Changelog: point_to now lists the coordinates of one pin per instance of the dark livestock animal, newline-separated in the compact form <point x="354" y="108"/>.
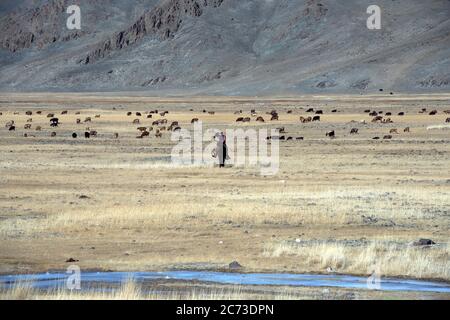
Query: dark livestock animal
<point x="54" y="122"/>
<point x="316" y="118"/>
<point x="143" y="134"/>
<point x="354" y="131"/>
<point x="377" y="119"/>
<point x="305" y="120"/>
<point x="447" y="120"/>
<point x="331" y="134"/>
<point x="173" y="125"/>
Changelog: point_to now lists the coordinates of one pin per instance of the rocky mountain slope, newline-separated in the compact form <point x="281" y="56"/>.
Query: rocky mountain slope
<point x="225" y="46"/>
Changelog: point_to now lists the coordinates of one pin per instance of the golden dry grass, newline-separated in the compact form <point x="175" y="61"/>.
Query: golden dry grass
<point x="384" y="257"/>
<point x="144" y="213"/>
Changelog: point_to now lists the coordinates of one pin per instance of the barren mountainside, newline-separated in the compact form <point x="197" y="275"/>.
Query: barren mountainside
<point x="225" y="46"/>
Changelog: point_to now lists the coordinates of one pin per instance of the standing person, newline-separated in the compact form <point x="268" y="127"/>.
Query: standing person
<point x="222" y="149"/>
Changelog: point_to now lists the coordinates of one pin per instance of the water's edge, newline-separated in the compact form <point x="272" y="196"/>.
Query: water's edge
<point x="55" y="280"/>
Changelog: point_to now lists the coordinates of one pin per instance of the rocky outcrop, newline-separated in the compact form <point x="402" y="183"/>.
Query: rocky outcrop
<point x="162" y="22"/>
<point x="314" y="9"/>
<point x="361" y="84"/>
<point x="234" y="265"/>
<point x="424" y="242"/>
<point x="39" y="26"/>
<point x="433" y="82"/>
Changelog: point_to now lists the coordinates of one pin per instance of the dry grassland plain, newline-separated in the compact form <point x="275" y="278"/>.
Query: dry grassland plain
<point x="345" y="204"/>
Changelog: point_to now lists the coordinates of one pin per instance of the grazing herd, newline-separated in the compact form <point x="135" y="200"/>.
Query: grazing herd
<point x="160" y="125"/>
<point x="378" y="117"/>
<point x="54" y="122"/>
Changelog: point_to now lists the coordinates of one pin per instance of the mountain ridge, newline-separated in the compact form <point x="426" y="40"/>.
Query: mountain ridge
<point x="228" y="47"/>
